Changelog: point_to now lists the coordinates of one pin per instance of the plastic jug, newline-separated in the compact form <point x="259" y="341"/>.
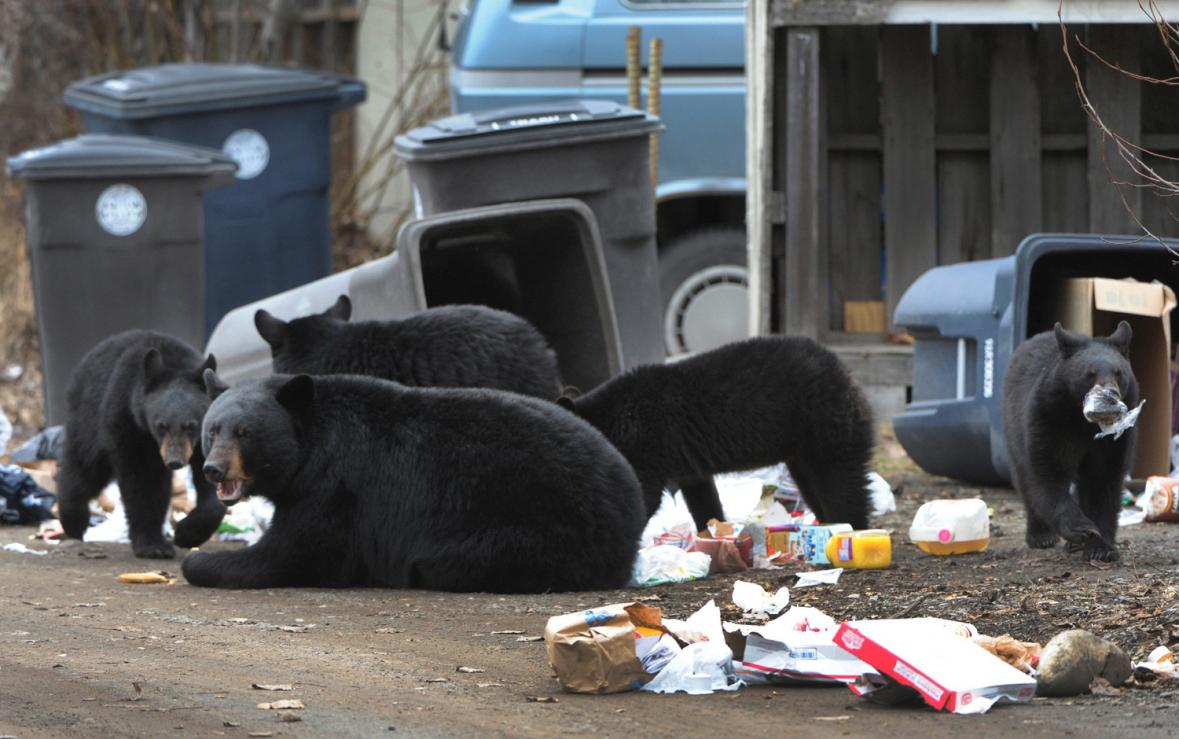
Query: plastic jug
<point x="952" y="526"/>
<point x="865" y="550"/>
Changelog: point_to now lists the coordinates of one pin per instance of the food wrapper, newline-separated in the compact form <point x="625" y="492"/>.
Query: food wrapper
<point x="1104" y="408"/>
<point x="1160" y="499"/>
<point x="594" y="651"/>
<point x="1022" y="655"/>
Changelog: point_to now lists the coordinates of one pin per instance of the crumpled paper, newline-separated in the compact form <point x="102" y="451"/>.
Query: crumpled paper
<point x="749" y="596"/>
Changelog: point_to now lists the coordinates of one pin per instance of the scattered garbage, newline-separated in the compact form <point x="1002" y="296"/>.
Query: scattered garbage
<point x="1160" y="500"/>
<point x="699" y="668"/>
<point x="864" y="550"/>
<point x="22" y="549"/>
<point x="751" y="597"/>
<point x="5" y="431"/>
<point x="664" y="563"/>
<point x="943" y="527"/>
<point x="147" y="578"/>
<point x="286" y="704"/>
<point x="44" y="445"/>
<point x="246" y="520"/>
<point x="930" y="655"/>
<point x="798" y="647"/>
<point x="1022" y="655"/>
<point x="882" y="498"/>
<point x="264" y="686"/>
<point x="1160" y="662"/>
<point x="22" y="500"/>
<point x="595" y="651"/>
<point x="818" y="577"/>
<point x="1073" y="659"/>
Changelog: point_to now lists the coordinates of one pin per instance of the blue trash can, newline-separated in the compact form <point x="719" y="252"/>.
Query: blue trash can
<point x="270" y="231"/>
<point x="968" y="318"/>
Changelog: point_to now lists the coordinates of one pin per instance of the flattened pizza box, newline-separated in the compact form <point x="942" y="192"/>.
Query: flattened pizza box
<point x="1094" y="306"/>
<point x="949" y="671"/>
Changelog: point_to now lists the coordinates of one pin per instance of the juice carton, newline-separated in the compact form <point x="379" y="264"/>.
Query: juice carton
<point x="866" y="550"/>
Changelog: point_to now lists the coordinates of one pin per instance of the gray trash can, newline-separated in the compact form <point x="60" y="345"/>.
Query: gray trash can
<point x="115" y="243"/>
<point x="595" y="151"/>
<point x="968" y="318"/>
<point x="271" y="230"/>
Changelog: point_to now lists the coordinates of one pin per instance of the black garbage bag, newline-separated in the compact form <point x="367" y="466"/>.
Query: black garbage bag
<point x="45" y="445"/>
<point x="22" y="500"/>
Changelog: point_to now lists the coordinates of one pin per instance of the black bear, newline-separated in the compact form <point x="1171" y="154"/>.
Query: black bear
<point x="447" y="346"/>
<point x="744" y="405"/>
<point x="379" y="484"/>
<point x="134" y="408"/>
<point x="1051" y="445"/>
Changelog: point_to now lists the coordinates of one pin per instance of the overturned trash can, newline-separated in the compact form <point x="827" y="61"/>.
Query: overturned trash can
<point x="592" y="150"/>
<point x="271" y="231"/>
<point x="967" y="319"/>
<point x="115" y="243"/>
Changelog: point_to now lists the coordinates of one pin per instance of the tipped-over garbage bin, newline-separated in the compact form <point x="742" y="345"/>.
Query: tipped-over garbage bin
<point x="595" y="151"/>
<point x="967" y="319"/>
<point x="270" y="231"/>
<point x="115" y="243"/>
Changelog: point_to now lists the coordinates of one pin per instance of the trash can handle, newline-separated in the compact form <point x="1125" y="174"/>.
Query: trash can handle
<point x="351" y="92"/>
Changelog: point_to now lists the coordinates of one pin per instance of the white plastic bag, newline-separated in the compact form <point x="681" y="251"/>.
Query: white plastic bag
<point x="749" y="596"/>
<point x="698" y="669"/>
<point x="664" y="563"/>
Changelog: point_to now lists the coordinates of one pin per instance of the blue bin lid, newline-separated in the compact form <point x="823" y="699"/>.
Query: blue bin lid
<point x="174" y="89"/>
<point x="523" y="126"/>
<point x="113" y="155"/>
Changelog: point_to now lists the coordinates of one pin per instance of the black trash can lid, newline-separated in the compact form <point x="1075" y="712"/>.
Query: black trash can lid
<point x="174" y="89"/>
<point x="522" y="127"/>
<point x="114" y="155"/>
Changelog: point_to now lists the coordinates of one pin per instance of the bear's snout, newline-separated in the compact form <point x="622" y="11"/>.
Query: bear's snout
<point x="175" y="452"/>
<point x="214" y="473"/>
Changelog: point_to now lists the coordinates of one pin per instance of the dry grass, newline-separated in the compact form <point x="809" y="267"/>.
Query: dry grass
<point x="19" y="398"/>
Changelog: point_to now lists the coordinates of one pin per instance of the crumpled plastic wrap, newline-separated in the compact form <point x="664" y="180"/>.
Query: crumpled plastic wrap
<point x="1103" y="407"/>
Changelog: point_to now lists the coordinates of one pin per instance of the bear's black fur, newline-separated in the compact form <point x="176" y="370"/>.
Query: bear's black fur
<point x="378" y="484"/>
<point x="448" y="346"/>
<point x="1050" y="444"/>
<point x="744" y="405"/>
<point x="134" y="406"/>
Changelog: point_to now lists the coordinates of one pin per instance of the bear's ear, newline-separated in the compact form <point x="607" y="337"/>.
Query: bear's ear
<point x="214" y="386"/>
<point x="209" y="363"/>
<point x="1120" y="338"/>
<point x="341" y="311"/>
<point x="1068" y="342"/>
<point x="296" y="395"/>
<point x="153" y="367"/>
<point x="567" y="403"/>
<point x="272" y="330"/>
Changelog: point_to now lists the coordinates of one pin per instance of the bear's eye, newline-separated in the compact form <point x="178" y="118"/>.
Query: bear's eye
<point x="1118" y="374"/>
<point x="242" y="432"/>
<point x="190" y="426"/>
<point x="161" y="427"/>
<point x="1091" y="374"/>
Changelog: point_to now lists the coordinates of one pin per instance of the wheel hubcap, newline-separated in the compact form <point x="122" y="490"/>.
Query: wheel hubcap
<point x="709" y="309"/>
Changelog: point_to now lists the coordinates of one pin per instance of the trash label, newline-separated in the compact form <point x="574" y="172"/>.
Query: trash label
<point x="249" y="149"/>
<point x="121" y="209"/>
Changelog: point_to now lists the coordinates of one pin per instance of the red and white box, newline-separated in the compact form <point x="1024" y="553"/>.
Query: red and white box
<point x="936" y="659"/>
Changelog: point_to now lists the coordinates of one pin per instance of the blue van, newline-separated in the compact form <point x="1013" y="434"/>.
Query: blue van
<point x="517" y="52"/>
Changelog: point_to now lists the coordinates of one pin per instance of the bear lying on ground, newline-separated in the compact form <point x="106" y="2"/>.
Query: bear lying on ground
<point x="1051" y="445"/>
<point x="378" y="484"/>
<point x="134" y="406"/>
<point x="448" y="346"/>
<point x="747" y="404"/>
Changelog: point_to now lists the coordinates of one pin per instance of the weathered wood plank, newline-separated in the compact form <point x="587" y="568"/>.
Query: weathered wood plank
<point x="1118" y="102"/>
<point x="759" y="163"/>
<point x="1065" y="191"/>
<point x="907" y="115"/>
<point x="964" y="207"/>
<point x="806" y="271"/>
<point x="1016" y="208"/>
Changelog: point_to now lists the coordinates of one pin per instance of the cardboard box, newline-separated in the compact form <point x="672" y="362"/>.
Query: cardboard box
<point x="1093" y="306"/>
<point x="947" y="669"/>
<point x="863" y="316"/>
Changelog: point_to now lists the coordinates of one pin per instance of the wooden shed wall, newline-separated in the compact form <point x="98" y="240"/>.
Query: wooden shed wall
<point x="893" y="149"/>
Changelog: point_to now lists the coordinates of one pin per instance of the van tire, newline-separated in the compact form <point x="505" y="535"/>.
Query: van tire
<point x="704" y="281"/>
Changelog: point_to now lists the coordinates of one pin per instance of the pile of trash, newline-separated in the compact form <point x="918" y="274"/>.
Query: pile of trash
<point x="944" y="664"/>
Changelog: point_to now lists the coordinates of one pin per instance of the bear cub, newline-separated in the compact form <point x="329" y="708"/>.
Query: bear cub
<point x="744" y="405"/>
<point x="1051" y="444"/>
<point x="134" y="410"/>
<point x="448" y="346"/>
<point x="379" y="484"/>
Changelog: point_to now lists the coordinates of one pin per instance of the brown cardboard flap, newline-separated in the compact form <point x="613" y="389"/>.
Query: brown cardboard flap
<point x="1094" y="306"/>
<point x="593" y="651"/>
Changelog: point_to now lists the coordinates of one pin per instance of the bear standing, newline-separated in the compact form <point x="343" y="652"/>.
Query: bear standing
<point x="378" y="484"/>
<point x="448" y="346"/>
<point x="1051" y="444"/>
<point x="744" y="405"/>
<point x="134" y="406"/>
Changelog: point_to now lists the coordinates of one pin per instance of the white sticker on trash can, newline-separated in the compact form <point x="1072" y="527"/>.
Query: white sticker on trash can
<point x="121" y="210"/>
<point x="249" y="149"/>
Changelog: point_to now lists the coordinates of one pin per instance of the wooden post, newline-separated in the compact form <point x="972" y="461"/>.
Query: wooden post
<point x="1016" y="188"/>
<point x="805" y="288"/>
<point x="1118" y="101"/>
<point x="634" y="66"/>
<point x="759" y="52"/>
<point x="907" y="116"/>
<point x="654" y="84"/>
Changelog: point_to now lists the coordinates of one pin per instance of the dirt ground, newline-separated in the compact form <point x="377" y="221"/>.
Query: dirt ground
<point x="81" y="654"/>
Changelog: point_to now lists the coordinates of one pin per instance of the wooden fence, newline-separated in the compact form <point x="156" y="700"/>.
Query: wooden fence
<point x="878" y="151"/>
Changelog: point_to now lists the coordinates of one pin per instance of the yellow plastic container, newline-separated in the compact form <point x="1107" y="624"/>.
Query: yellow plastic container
<point x="943" y="527"/>
<point x="863" y="550"/>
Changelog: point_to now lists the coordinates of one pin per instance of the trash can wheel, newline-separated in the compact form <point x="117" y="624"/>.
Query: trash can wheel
<point x="704" y="279"/>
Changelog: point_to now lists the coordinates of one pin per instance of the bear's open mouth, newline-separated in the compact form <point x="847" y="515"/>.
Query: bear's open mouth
<point x="231" y="491"/>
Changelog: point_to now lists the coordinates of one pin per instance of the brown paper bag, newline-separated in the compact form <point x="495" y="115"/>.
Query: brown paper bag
<point x="593" y="651"/>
